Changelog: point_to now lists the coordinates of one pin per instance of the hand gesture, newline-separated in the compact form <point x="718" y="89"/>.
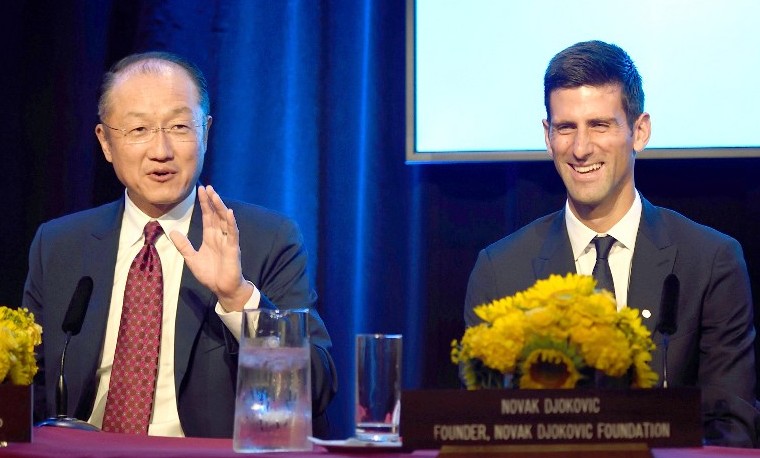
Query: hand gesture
<point x="216" y="264"/>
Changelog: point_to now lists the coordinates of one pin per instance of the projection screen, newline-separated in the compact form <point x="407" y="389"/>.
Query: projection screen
<point x="475" y="73"/>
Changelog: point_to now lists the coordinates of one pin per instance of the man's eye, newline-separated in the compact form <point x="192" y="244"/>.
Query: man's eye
<point x="564" y="129"/>
<point x="181" y="128"/>
<point x="139" y="130"/>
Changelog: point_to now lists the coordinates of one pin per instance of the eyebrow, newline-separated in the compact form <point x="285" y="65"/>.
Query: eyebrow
<point x="138" y="114"/>
<point x="608" y="120"/>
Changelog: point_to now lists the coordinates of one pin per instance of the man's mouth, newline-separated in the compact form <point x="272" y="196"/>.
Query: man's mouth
<point x="161" y="174"/>
<point x="587" y="168"/>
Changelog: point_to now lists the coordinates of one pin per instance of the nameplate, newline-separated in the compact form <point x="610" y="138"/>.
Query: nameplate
<point x="15" y="413"/>
<point x="657" y="417"/>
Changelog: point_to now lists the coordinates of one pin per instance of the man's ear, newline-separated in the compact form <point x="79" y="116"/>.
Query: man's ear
<point x="100" y="132"/>
<point x="206" y="130"/>
<point x="547" y="128"/>
<point x="642" y="130"/>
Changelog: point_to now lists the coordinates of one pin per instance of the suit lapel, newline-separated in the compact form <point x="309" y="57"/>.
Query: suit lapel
<point x="653" y="259"/>
<point x="99" y="262"/>
<point x="556" y="256"/>
<point x="194" y="303"/>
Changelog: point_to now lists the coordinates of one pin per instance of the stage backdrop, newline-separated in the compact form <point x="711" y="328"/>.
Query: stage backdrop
<point x="308" y="106"/>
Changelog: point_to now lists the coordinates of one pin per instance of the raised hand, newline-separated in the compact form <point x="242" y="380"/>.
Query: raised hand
<point x="216" y="263"/>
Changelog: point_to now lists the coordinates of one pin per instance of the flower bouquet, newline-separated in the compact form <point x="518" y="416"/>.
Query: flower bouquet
<point x="559" y="333"/>
<point x="19" y="334"/>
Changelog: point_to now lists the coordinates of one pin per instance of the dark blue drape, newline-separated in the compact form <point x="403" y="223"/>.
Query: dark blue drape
<point x="303" y="125"/>
<point x="308" y="107"/>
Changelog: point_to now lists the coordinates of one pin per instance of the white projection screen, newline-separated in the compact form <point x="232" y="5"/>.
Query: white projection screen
<point x="475" y="73"/>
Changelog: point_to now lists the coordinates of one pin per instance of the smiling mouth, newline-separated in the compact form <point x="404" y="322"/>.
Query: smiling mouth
<point x="587" y="168"/>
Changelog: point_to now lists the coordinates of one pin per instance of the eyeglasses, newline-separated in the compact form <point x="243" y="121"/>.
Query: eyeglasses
<point x="143" y="134"/>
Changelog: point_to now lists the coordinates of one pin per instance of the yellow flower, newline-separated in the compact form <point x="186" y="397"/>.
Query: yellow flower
<point x="644" y="376"/>
<point x="606" y="349"/>
<point x="7" y="343"/>
<point x="552" y="333"/>
<point x="501" y="307"/>
<point x="560" y="290"/>
<point x="19" y="334"/>
<point x="487" y="344"/>
<point x="548" y="368"/>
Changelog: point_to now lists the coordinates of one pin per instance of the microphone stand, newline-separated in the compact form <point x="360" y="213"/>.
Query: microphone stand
<point x="668" y="324"/>
<point x="61" y="401"/>
<point x="665" y="341"/>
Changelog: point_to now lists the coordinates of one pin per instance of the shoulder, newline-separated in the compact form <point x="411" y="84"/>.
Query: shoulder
<point x="82" y="222"/>
<point x="260" y="226"/>
<point x="529" y="239"/>
<point x="685" y="230"/>
<point x="252" y="215"/>
<point x="697" y="243"/>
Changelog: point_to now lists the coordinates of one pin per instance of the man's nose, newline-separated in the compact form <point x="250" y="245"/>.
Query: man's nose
<point x="161" y="148"/>
<point x="582" y="145"/>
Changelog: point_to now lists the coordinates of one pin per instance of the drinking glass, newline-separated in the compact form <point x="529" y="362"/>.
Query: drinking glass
<point x="378" y="387"/>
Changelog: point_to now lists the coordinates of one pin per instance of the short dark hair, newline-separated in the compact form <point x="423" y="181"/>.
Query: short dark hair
<point x="152" y="62"/>
<point x="596" y="63"/>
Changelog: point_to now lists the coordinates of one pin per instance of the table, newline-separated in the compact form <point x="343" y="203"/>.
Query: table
<point x="51" y="442"/>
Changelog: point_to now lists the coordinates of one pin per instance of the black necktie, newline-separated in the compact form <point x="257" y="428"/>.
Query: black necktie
<point x="602" y="272"/>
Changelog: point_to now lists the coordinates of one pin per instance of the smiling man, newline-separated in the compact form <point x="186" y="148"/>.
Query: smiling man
<point x="595" y="126"/>
<point x="157" y="353"/>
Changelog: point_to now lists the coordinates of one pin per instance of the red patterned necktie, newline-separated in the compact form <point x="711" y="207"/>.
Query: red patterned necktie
<point x="135" y="364"/>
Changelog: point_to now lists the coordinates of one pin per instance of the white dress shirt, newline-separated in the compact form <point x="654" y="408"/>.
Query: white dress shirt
<point x="621" y="253"/>
<point x="165" y="417"/>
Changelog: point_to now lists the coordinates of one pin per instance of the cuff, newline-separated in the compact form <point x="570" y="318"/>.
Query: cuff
<point x="234" y="320"/>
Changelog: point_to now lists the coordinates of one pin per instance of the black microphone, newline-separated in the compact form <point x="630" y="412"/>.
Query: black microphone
<point x="72" y="324"/>
<point x="74" y="318"/>
<point x="668" y="324"/>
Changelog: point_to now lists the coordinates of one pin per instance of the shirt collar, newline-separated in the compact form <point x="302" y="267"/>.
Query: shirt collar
<point x="134" y="220"/>
<point x="624" y="230"/>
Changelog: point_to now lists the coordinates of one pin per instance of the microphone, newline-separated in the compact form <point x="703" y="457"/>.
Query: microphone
<point x="72" y="324"/>
<point x="668" y="324"/>
<point x="74" y="318"/>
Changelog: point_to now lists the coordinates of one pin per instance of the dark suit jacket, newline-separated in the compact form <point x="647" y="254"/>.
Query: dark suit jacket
<point x="205" y="358"/>
<point x="713" y="346"/>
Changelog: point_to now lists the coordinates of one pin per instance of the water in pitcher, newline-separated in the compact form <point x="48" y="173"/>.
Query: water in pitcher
<point x="273" y="410"/>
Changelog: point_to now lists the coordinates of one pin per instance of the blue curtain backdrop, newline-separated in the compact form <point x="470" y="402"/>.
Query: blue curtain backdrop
<point x="308" y="105"/>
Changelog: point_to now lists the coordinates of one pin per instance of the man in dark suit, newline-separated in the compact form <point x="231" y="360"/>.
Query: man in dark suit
<point x="154" y="112"/>
<point x="595" y="127"/>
